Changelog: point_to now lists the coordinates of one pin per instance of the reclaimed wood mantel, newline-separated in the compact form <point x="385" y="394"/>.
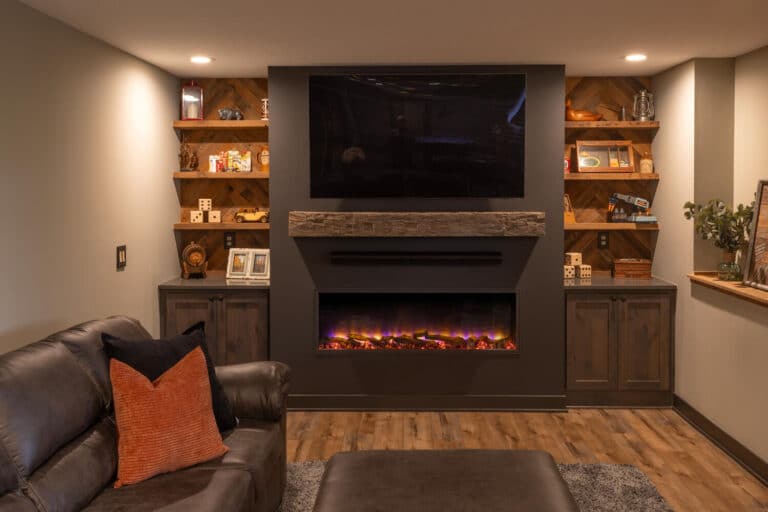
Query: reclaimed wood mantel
<point x="415" y="224"/>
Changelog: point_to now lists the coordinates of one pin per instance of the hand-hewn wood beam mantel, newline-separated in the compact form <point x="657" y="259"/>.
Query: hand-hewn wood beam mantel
<point x="415" y="224"/>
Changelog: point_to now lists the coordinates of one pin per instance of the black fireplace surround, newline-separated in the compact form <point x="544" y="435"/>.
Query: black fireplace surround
<point x="449" y="329"/>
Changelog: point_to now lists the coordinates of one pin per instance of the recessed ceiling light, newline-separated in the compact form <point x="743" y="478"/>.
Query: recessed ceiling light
<point x="200" y="59"/>
<point x="635" y="57"/>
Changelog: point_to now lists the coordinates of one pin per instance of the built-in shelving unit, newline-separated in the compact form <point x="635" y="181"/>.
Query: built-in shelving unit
<point x="229" y="191"/>
<point x="590" y="192"/>
<point x="215" y="124"/>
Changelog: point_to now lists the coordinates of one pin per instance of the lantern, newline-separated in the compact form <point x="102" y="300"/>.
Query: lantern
<point x="191" y="102"/>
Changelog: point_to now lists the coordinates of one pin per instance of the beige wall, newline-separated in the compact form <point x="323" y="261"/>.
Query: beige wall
<point x="721" y="341"/>
<point x="751" y="124"/>
<point x="85" y="158"/>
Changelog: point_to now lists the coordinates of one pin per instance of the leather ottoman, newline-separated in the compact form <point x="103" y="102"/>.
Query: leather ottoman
<point x="443" y="481"/>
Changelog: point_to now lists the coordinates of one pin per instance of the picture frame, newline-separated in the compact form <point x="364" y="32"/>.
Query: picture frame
<point x="248" y="264"/>
<point x="259" y="265"/>
<point x="605" y="156"/>
<point x="238" y="263"/>
<point x="756" y="264"/>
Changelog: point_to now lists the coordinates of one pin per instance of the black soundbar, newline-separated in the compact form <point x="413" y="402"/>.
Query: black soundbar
<point x="416" y="258"/>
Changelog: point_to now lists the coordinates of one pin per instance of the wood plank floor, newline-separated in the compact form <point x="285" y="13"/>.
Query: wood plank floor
<point x="690" y="472"/>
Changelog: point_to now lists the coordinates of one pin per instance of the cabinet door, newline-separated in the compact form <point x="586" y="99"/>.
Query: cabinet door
<point x="591" y="341"/>
<point x="244" y="328"/>
<point x="183" y="310"/>
<point x="644" y="342"/>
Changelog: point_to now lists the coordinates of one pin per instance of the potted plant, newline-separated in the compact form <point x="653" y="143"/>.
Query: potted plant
<point x="728" y="229"/>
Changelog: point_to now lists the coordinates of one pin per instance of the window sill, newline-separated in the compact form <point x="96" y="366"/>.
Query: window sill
<point x="735" y="289"/>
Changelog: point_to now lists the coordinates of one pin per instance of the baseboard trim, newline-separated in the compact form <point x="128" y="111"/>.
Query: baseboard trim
<point x="362" y="402"/>
<point x="734" y="449"/>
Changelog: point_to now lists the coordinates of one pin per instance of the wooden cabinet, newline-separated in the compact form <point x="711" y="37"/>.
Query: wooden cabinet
<point x="619" y="347"/>
<point x="236" y="319"/>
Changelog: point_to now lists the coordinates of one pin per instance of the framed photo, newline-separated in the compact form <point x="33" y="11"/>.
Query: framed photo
<point x="237" y="265"/>
<point x="248" y="264"/>
<point x="756" y="270"/>
<point x="259" y="264"/>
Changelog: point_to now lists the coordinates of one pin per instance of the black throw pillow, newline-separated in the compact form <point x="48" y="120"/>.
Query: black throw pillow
<point x="152" y="358"/>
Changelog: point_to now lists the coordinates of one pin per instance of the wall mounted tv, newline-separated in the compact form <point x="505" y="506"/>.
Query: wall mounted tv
<point x="417" y="135"/>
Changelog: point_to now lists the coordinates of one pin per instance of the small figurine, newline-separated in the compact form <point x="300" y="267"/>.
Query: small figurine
<point x="188" y="158"/>
<point x="230" y="114"/>
<point x="251" y="215"/>
<point x="579" y="115"/>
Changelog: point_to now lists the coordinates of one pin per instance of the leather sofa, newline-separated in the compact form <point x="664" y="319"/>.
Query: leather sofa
<point x="58" y="442"/>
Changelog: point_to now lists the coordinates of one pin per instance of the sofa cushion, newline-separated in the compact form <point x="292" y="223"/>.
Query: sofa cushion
<point x="9" y="476"/>
<point x="84" y="341"/>
<point x="155" y="357"/>
<point x="46" y="400"/>
<point x="16" y="502"/>
<point x="163" y="425"/>
<point x="201" y="490"/>
<point x="70" y="479"/>
<point x="258" y="447"/>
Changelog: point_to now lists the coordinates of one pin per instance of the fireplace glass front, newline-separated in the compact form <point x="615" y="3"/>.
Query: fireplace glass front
<point x="417" y="321"/>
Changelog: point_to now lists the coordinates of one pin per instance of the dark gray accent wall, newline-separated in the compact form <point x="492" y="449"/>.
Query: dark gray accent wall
<point x="531" y="267"/>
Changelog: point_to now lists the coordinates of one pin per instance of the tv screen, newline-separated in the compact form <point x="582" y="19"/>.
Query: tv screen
<point x="447" y="135"/>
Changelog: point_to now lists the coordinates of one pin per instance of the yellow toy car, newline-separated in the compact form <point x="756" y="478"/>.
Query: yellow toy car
<point x="251" y="215"/>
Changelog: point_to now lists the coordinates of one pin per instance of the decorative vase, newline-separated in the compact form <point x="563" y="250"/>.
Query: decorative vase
<point x="729" y="270"/>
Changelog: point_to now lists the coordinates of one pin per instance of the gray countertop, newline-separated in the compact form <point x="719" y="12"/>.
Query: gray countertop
<point x="598" y="283"/>
<point x="215" y="280"/>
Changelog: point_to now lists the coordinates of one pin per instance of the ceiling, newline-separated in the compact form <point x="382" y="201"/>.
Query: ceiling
<point x="589" y="36"/>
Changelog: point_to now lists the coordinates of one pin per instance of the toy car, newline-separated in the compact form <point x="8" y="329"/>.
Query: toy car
<point x="251" y="215"/>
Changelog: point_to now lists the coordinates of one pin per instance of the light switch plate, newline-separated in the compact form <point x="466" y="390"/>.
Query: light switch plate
<point x="229" y="239"/>
<point x="121" y="258"/>
<point x="602" y="239"/>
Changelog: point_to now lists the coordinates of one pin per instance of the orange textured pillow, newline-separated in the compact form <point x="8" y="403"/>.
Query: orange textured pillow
<point x="163" y="425"/>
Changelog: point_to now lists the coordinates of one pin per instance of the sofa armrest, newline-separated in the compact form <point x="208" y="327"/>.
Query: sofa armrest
<point x="256" y="390"/>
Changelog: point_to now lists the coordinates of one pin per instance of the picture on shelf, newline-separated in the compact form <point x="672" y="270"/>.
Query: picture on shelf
<point x="248" y="264"/>
<point x="237" y="266"/>
<point x="756" y="274"/>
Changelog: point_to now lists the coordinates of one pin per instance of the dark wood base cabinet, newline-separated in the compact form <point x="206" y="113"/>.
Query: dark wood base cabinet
<point x="620" y="346"/>
<point x="236" y="318"/>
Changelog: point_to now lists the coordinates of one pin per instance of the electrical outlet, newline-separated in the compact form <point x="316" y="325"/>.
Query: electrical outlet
<point x="121" y="258"/>
<point x="602" y="239"/>
<point x="229" y="239"/>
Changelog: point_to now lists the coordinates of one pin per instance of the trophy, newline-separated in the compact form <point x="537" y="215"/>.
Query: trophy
<point x="642" y="106"/>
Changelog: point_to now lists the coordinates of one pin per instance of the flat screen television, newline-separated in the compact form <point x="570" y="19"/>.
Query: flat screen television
<point x="427" y="135"/>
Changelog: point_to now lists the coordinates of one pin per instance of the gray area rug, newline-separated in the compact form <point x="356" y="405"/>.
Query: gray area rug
<point x="596" y="487"/>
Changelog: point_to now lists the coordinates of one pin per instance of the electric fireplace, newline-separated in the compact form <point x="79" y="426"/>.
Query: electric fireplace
<point x="417" y="322"/>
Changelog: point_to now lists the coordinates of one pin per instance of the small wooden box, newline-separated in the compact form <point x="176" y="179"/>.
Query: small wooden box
<point x="631" y="268"/>
<point x="569" y="271"/>
<point x="583" y="271"/>
<point x="605" y="156"/>
<point x="573" y="258"/>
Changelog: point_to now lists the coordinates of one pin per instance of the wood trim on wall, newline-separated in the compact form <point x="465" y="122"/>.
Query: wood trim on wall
<point x="737" y="451"/>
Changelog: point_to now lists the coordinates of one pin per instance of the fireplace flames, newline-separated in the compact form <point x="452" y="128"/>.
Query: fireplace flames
<point x="418" y="340"/>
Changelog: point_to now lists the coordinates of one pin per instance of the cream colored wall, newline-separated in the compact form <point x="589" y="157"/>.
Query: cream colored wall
<point x="86" y="152"/>
<point x="751" y="124"/>
<point x="721" y="342"/>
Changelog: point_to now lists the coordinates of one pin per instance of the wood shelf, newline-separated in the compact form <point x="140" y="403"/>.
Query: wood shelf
<point x="255" y="175"/>
<point x="214" y="124"/>
<point x="610" y="176"/>
<point x="613" y="125"/>
<point x="734" y="288"/>
<point x="229" y="226"/>
<point x="611" y="226"/>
